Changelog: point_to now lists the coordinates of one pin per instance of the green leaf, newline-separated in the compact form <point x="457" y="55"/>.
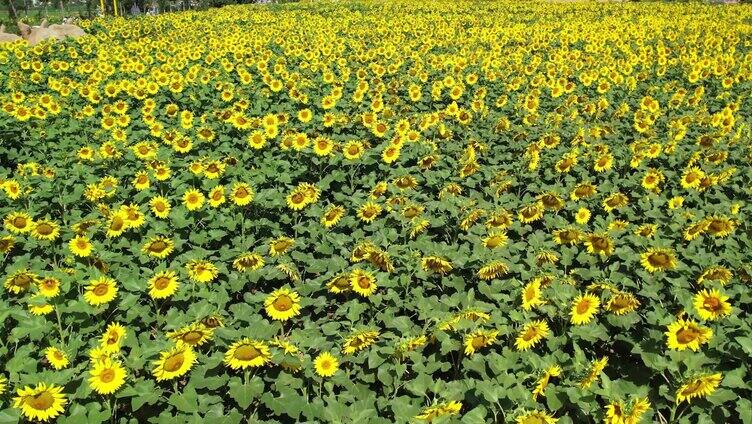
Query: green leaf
<point x="244" y="393"/>
<point x="186" y="401"/>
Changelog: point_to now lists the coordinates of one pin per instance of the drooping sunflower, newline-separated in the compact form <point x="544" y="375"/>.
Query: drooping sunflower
<point x="720" y="226"/>
<point x="712" y="304"/>
<point x="439" y="410"/>
<point x="246" y="353"/>
<point x="619" y="413"/>
<point x="100" y="291"/>
<point x="174" y="362"/>
<point x="584" y="308"/>
<point x="106" y="376"/>
<point x="40" y="403"/>
<point x="479" y="339"/>
<point x="532" y="333"/>
<point x="80" y="246"/>
<point x="340" y="283"/>
<point x="363" y="282"/>
<point x="544" y="380"/>
<point x="45" y="230"/>
<point x="622" y="303"/>
<point x="158" y="247"/>
<point x="20" y="281"/>
<point x="163" y="284"/>
<point x="683" y="334"/>
<point x="496" y="239"/>
<point x="201" y="271"/>
<point x="359" y="341"/>
<point x="326" y="364"/>
<point x="436" y="264"/>
<point x="697" y="387"/>
<point x="194" y="334"/>
<point x="570" y="236"/>
<point x="658" y="259"/>
<point x="536" y="417"/>
<point x="280" y="245"/>
<point x="332" y="216"/>
<point x="282" y="304"/>
<point x="246" y="261"/>
<point x="112" y="338"/>
<point x="594" y="372"/>
<point x="531" y="213"/>
<point x="716" y="273"/>
<point x="493" y="269"/>
<point x="599" y="244"/>
<point x="56" y="357"/>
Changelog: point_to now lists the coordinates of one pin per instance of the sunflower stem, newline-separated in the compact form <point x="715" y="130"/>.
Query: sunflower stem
<point x="60" y="326"/>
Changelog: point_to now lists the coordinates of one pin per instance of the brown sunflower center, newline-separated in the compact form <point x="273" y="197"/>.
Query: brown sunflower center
<point x="192" y="337"/>
<point x="157" y="246"/>
<point x="82" y="244"/>
<point x="478" y="342"/>
<point x="174" y="362"/>
<point x="712" y="304"/>
<point x="246" y="353"/>
<point x="107" y="375"/>
<point x="41" y="401"/>
<point x="529" y="334"/>
<point x="364" y="282"/>
<point x="101" y="289"/>
<point x="687" y="335"/>
<point x="241" y="193"/>
<point x="282" y="303"/>
<point x="298" y="198"/>
<point x="659" y="259"/>
<point x="20" y="222"/>
<point x="161" y="283"/>
<point x="44" y="229"/>
<point x="582" y="306"/>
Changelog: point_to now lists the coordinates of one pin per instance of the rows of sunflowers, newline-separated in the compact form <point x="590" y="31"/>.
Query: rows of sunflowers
<point x="380" y="212"/>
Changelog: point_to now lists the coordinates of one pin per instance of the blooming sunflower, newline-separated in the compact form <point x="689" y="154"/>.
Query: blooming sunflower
<point x="193" y="199"/>
<point x="282" y="304"/>
<point x="369" y="211"/>
<point x="297" y="200"/>
<point x="479" y="339"/>
<point x="49" y="286"/>
<point x="531" y="295"/>
<point x="582" y="216"/>
<point x="40" y="403"/>
<point x="247" y="353"/>
<point x="363" y="282"/>
<point x="712" y="304"/>
<point x="56" y="357"/>
<point x="599" y="244"/>
<point x="217" y="196"/>
<point x="684" y="334"/>
<point x="584" y="308"/>
<point x="195" y="334"/>
<point x="158" y="247"/>
<point x="160" y="207"/>
<point x="106" y="376"/>
<point x="100" y="291"/>
<point x="201" y="271"/>
<point x="19" y="281"/>
<point x="532" y="333"/>
<point x="698" y="387"/>
<point x="241" y="194"/>
<point x="174" y="362"/>
<point x="246" y="261"/>
<point x="112" y="338"/>
<point x="280" y="245"/>
<point x="18" y="222"/>
<point x="658" y="259"/>
<point x="45" y="230"/>
<point x="80" y="246"/>
<point x="117" y="224"/>
<point x="332" y="216"/>
<point x="326" y="364"/>
<point x="163" y="284"/>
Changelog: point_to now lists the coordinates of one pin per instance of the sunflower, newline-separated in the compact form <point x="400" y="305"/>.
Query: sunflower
<point x="49" y="286"/>
<point x="479" y="339"/>
<point x="241" y="194"/>
<point x="18" y="222"/>
<point x="246" y="261"/>
<point x="698" y="387"/>
<point x="599" y="244"/>
<point x="658" y="259"/>
<point x="712" y="304"/>
<point x="195" y="334"/>
<point x="359" y="341"/>
<point x="326" y="364"/>
<point x="536" y="417"/>
<point x="100" y="291"/>
<point x="106" y="376"/>
<point x="40" y="403"/>
<point x="696" y="230"/>
<point x="247" y="353"/>
<point x="7" y="243"/>
<point x="332" y="216"/>
<point x="201" y="271"/>
<point x="112" y="338"/>
<point x="280" y="245"/>
<point x="570" y="236"/>
<point x="297" y="200"/>
<point x="193" y="199"/>
<point x="323" y="146"/>
<point x="582" y="216"/>
<point x="596" y="368"/>
<point x="532" y="333"/>
<point x="3" y="384"/>
<point x="491" y="270"/>
<point x="80" y="246"/>
<point x="622" y="303"/>
<point x="531" y="295"/>
<point x="531" y="213"/>
<point x="369" y="211"/>
<point x="217" y="196"/>
<point x="410" y="345"/>
<point x="716" y="273"/>
<point x="158" y="247"/>
<point x="436" y="264"/>
<point x="282" y="304"/>
<point x="618" y="413"/>
<point x="720" y="226"/>
<point x="692" y="178"/>
<point x="352" y="150"/>
<point x="117" y="224"/>
<point x="439" y="410"/>
<point x="684" y="334"/>
<point x="163" y="284"/>
<point x="45" y="230"/>
<point x="174" y="362"/>
<point x="19" y="281"/>
<point x="160" y="207"/>
<point x="56" y="357"/>
<point x="363" y="282"/>
<point x="584" y="308"/>
<point x="339" y="284"/>
<point x="496" y="239"/>
<point x="544" y="380"/>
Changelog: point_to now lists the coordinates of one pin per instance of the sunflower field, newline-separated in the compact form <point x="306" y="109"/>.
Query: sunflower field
<point x="380" y="212"/>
